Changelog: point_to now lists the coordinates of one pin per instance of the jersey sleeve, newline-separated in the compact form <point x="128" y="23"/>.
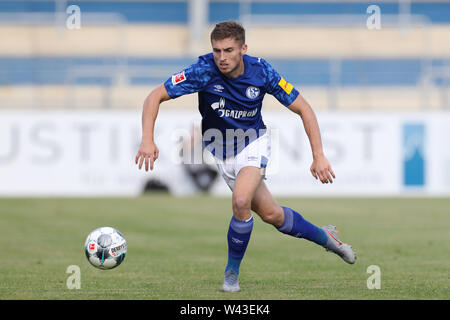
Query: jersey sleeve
<point x="192" y="79"/>
<point x="277" y="86"/>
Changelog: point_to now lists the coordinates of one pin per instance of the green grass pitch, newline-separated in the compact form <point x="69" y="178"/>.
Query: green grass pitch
<point x="177" y="249"/>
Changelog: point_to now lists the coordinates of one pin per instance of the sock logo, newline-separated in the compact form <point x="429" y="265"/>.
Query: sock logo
<point x="236" y="240"/>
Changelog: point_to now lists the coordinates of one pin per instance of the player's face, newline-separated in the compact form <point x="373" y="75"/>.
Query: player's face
<point x="228" y="56"/>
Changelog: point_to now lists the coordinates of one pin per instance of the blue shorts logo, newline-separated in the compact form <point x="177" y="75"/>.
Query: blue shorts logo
<point x="413" y="154"/>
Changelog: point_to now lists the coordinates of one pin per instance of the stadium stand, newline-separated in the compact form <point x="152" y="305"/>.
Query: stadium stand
<point x="323" y="47"/>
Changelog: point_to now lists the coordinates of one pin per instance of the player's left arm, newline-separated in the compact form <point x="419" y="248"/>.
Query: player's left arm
<point x="320" y="168"/>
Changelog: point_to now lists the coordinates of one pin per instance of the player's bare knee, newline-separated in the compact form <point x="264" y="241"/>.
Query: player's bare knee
<point x="241" y="206"/>
<point x="273" y="217"/>
<point x="269" y="217"/>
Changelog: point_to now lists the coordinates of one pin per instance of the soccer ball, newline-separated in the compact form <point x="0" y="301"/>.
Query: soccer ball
<point x="105" y="248"/>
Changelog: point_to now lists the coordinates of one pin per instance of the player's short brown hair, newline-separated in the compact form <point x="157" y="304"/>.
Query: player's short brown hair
<point x="228" y="29"/>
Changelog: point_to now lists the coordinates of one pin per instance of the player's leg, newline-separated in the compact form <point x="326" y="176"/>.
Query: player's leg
<point x="286" y="220"/>
<point x="290" y="222"/>
<point x="241" y="224"/>
<point x="247" y="182"/>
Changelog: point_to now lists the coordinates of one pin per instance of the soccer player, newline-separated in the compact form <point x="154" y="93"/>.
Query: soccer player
<point x="231" y="86"/>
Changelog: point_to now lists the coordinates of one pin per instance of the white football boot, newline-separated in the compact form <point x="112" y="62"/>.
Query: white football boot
<point x="344" y="250"/>
<point x="231" y="281"/>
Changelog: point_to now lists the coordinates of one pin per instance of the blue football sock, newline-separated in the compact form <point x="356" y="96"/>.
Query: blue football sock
<point x="238" y="237"/>
<point x="296" y="226"/>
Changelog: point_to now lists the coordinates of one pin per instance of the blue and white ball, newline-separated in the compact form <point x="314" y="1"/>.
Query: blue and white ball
<point x="105" y="248"/>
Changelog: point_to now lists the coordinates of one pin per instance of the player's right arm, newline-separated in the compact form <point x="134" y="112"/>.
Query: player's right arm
<point x="192" y="79"/>
<point x="148" y="151"/>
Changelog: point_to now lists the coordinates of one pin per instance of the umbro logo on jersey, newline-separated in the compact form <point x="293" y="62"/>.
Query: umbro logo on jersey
<point x="178" y="78"/>
<point x="218" y="88"/>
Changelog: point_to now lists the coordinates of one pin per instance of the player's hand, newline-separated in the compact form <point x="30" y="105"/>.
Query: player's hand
<point x="321" y="169"/>
<point x="148" y="153"/>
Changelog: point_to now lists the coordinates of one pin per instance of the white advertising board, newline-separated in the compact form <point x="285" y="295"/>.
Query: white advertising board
<point x="73" y="153"/>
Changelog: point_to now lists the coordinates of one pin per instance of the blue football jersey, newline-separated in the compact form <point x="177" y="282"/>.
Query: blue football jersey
<point x="231" y="107"/>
